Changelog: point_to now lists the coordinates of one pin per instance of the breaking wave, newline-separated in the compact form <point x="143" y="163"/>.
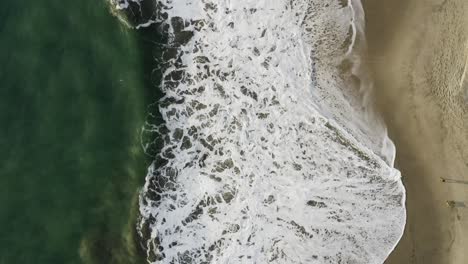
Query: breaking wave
<point x="271" y="150"/>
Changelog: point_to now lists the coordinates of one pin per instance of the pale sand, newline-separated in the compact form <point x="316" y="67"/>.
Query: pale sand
<point x="418" y="51"/>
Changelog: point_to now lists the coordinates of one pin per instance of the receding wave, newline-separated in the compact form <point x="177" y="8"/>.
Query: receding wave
<point x="271" y="150"/>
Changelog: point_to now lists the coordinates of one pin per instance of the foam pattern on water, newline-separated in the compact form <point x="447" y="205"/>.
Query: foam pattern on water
<point x="271" y="152"/>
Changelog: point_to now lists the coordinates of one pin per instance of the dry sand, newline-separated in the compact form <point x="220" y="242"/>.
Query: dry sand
<point x="418" y="51"/>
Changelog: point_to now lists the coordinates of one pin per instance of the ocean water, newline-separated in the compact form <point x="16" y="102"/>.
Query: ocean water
<point x="271" y="149"/>
<point x="73" y="99"/>
<point x="264" y="148"/>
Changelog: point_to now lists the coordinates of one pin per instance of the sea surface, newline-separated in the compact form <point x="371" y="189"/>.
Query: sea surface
<point x="272" y="150"/>
<point x="73" y="99"/>
<point x="259" y="145"/>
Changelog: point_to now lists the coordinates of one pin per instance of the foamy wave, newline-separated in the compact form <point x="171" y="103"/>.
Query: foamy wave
<point x="272" y="153"/>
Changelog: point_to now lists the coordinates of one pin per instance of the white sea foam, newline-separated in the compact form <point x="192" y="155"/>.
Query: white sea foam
<point x="122" y="4"/>
<point x="273" y="153"/>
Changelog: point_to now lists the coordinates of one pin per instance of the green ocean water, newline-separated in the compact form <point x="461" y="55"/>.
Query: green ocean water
<point x="73" y="99"/>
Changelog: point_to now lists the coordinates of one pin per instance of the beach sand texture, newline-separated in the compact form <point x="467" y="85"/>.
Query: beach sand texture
<point x="418" y="51"/>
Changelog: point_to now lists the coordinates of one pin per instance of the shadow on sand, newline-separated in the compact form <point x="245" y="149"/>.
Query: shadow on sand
<point x="453" y="181"/>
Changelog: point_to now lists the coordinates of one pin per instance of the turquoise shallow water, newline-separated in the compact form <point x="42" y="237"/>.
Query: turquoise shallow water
<point x="73" y="98"/>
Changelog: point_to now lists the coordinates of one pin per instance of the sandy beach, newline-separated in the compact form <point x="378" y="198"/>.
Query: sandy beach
<point x="418" y="54"/>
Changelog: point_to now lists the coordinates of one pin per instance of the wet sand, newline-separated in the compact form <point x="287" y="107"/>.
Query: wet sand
<point x="418" y="53"/>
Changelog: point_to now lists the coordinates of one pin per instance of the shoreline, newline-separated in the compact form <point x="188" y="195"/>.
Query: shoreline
<point x="420" y="162"/>
<point x="418" y="54"/>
